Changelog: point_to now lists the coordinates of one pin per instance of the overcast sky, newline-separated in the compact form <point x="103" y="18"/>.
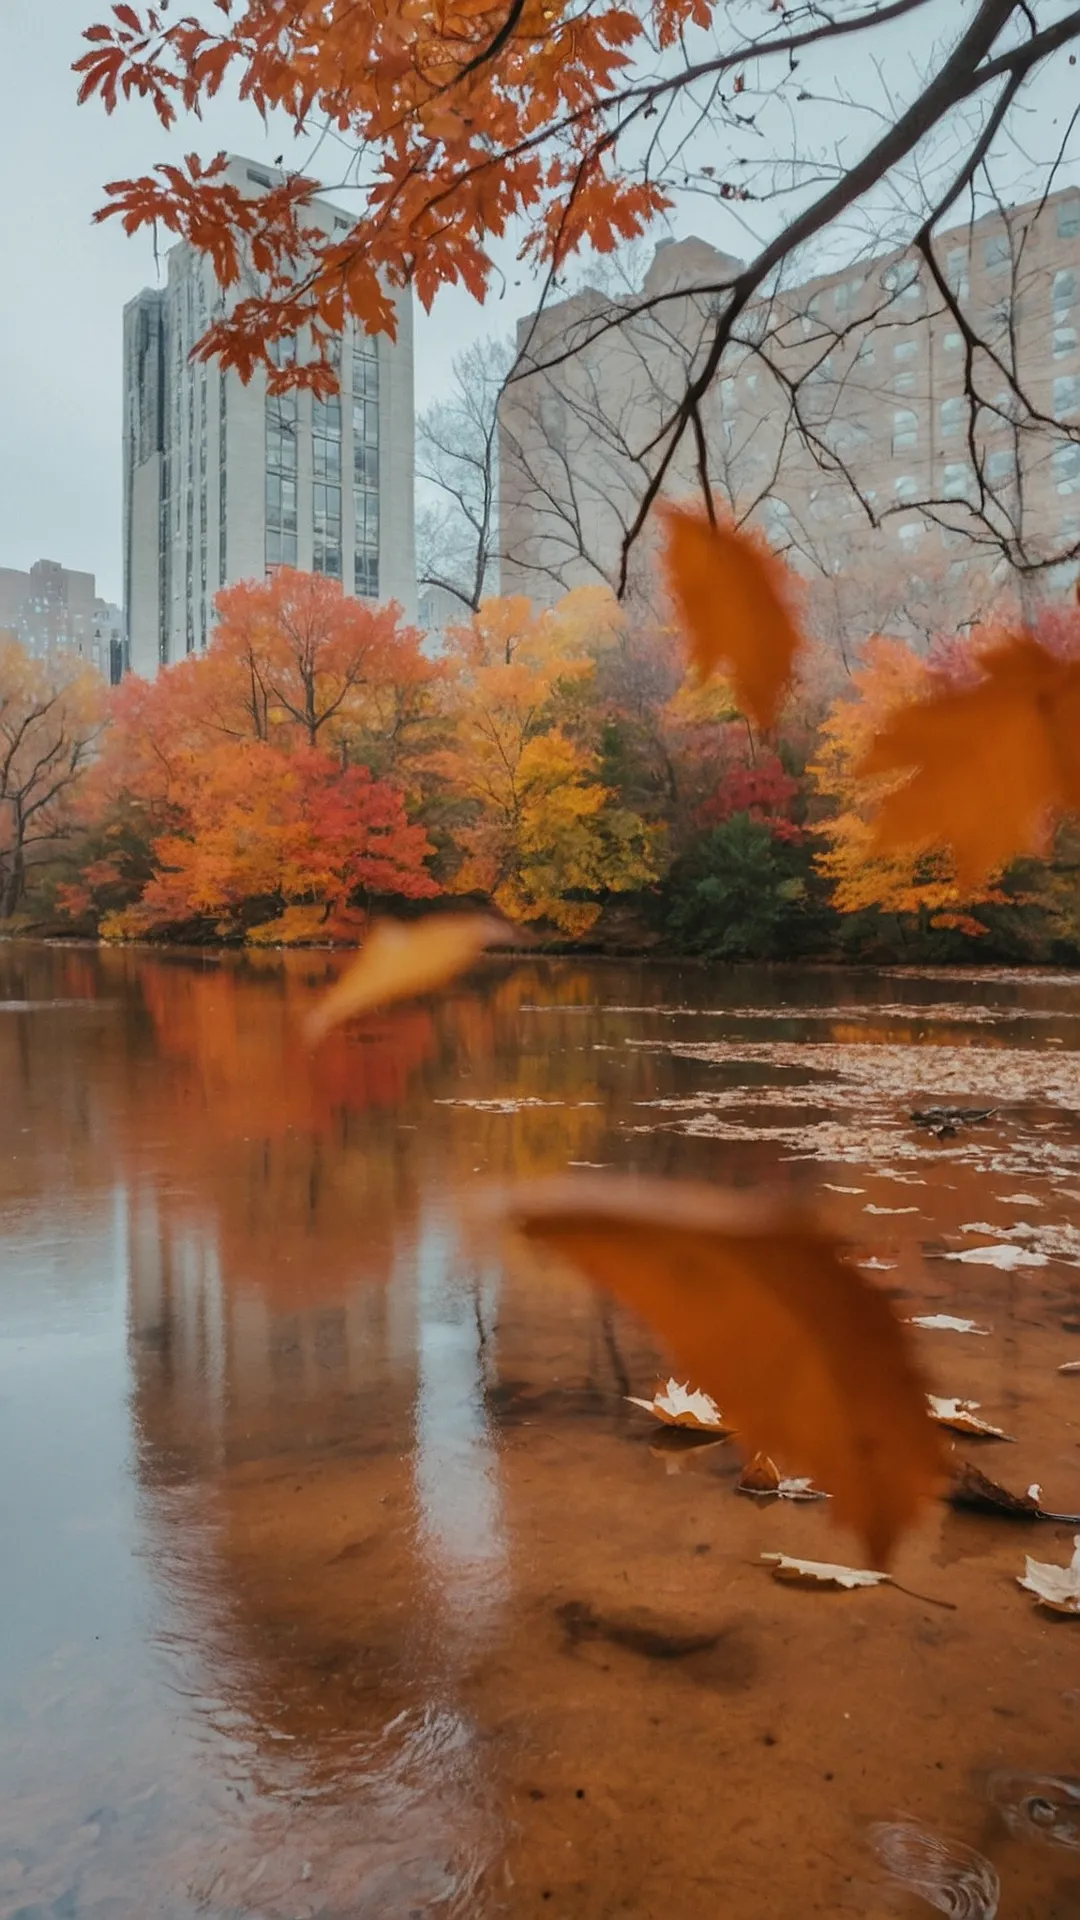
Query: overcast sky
<point x="64" y="281"/>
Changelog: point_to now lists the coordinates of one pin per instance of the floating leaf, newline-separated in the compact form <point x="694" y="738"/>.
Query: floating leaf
<point x="1005" y="1258"/>
<point x="761" y="1478"/>
<point x="1055" y="1587"/>
<point x="1069" y="1366"/>
<point x="962" y="1417"/>
<point x="732" y="595"/>
<point x="753" y="1298"/>
<point x="679" y="1407"/>
<point x="946" y="1323"/>
<point x="400" y="959"/>
<point x="1023" y="716"/>
<point x="821" y="1573"/>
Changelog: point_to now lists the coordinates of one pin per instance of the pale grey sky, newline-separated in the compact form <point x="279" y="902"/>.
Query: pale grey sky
<point x="65" y="281"/>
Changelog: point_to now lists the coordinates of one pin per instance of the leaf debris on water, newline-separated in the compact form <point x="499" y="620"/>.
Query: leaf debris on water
<point x="821" y="1573"/>
<point x="962" y="1416"/>
<point x="681" y="1406"/>
<point x="1057" y="1588"/>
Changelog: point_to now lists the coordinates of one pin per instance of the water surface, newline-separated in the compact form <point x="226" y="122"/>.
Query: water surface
<point x="340" y="1580"/>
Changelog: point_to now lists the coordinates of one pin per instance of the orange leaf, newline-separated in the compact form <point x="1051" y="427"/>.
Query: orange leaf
<point x="399" y="960"/>
<point x="732" y="595"/>
<point x="987" y="765"/>
<point x="754" y="1301"/>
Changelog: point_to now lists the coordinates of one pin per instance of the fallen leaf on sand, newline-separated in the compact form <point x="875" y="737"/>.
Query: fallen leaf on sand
<point x="752" y="1298"/>
<point x="400" y="959"/>
<point x="733" y="597"/>
<point x="977" y="1493"/>
<point x="679" y="1407"/>
<point x="961" y="1416"/>
<point x="1055" y="1587"/>
<point x="1006" y="1257"/>
<point x="821" y="1573"/>
<point x="945" y="1323"/>
<point x="761" y="1478"/>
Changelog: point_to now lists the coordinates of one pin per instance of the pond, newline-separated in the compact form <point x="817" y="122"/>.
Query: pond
<point x="341" y="1579"/>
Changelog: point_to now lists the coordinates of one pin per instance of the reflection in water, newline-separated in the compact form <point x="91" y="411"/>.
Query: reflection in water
<point x="340" y="1581"/>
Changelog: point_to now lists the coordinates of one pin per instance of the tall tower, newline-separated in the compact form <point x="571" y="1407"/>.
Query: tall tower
<point x="224" y="482"/>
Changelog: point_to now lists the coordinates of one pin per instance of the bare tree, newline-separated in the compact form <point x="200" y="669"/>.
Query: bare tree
<point x="51" y="713"/>
<point x="457" y="463"/>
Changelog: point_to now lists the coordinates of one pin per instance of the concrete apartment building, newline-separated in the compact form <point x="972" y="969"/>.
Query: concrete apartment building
<point x="54" y="609"/>
<point x="880" y="366"/>
<point x="223" y="482"/>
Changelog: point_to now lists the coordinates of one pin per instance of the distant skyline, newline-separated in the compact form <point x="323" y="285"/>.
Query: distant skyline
<point x="66" y="280"/>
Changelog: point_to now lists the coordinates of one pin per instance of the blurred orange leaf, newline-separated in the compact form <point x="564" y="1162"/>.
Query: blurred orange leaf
<point x="986" y="766"/>
<point x="400" y="959"/>
<point x="732" y="596"/>
<point x="755" y="1301"/>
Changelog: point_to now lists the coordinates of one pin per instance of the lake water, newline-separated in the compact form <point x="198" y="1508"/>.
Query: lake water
<point x="339" y="1579"/>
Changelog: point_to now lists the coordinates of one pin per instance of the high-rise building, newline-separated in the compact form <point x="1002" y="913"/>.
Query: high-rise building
<point x="908" y="413"/>
<point x="53" y="609"/>
<point x="225" y="482"/>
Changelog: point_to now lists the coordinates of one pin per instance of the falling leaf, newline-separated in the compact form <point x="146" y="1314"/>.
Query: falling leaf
<point x="761" y="1478"/>
<point x="732" y="595"/>
<point x="679" y="1407"/>
<point x="753" y="1298"/>
<point x="400" y="959"/>
<point x="961" y="1416"/>
<point x="946" y="1323"/>
<point x="1055" y="1587"/>
<point x="821" y="1573"/>
<point x="1023" y="716"/>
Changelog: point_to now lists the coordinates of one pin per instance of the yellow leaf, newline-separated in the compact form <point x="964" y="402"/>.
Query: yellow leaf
<point x="760" y="1475"/>
<point x="400" y="959"/>
<point x="986" y="766"/>
<point x="753" y="1300"/>
<point x="732" y="595"/>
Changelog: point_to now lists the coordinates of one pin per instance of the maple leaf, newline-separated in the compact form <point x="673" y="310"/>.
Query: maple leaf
<point x="1057" y="1588"/>
<point x="753" y="1300"/>
<point x="962" y="1417"/>
<point x="1014" y="734"/>
<point x="821" y="1573"/>
<point x="734" y="599"/>
<point x="676" y="1406"/>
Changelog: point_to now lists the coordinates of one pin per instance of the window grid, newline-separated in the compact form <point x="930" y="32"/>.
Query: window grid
<point x="365" y="436"/>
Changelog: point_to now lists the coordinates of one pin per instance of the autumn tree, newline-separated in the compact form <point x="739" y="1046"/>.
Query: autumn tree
<point x="892" y="676"/>
<point x="469" y="123"/>
<point x="539" y="830"/>
<point x="51" y="714"/>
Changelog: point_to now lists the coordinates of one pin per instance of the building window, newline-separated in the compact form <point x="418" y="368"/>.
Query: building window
<point x="846" y="294"/>
<point x="906" y="350"/>
<point x="910" y="533"/>
<point x="865" y="355"/>
<point x="952" y="414"/>
<point x="956" y="272"/>
<point x="1001" y="465"/>
<point x="997" y="252"/>
<point x="281" y="434"/>
<point x="1066" y="465"/>
<point x="728" y="390"/>
<point x="904" y="383"/>
<point x="906" y="487"/>
<point x="905" y="432"/>
<point x="365" y="435"/>
<point x="1064" y="342"/>
<point x="953" y="342"/>
<point x="1066" y="395"/>
<point x="958" y="481"/>
<point x="1068" y="219"/>
<point x="326" y="529"/>
<point x="1064" y="290"/>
